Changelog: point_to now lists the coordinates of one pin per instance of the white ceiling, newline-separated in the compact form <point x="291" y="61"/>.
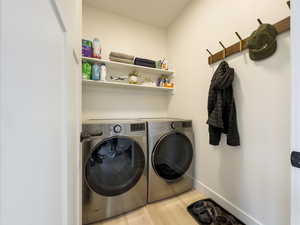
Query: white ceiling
<point x="155" y="12"/>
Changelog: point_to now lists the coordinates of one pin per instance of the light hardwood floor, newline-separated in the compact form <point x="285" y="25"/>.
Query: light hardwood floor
<point x="167" y="212"/>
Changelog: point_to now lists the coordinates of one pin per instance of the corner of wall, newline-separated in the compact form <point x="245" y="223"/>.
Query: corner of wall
<point x="238" y="212"/>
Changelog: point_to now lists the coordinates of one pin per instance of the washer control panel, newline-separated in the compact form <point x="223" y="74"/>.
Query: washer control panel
<point x="175" y="125"/>
<point x="117" y="128"/>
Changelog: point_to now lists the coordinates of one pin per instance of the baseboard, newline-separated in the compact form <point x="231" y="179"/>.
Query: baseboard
<point x="236" y="211"/>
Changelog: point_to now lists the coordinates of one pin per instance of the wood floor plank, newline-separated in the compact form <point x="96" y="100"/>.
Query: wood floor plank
<point x="139" y="217"/>
<point x="167" y="212"/>
<point x="191" y="197"/>
<point x="121" y="220"/>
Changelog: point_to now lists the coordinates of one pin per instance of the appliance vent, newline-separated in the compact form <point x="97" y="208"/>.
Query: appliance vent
<point x="187" y="124"/>
<point x="137" y="127"/>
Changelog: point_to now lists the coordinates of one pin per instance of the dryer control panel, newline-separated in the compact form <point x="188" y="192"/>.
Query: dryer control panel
<point x="180" y="124"/>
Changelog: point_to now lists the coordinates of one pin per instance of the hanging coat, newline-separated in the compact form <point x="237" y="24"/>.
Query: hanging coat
<point x="221" y="107"/>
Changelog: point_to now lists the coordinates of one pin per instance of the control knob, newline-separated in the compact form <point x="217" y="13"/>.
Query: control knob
<point x="117" y="128"/>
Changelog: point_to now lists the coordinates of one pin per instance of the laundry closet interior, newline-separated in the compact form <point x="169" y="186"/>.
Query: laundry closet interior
<point x="160" y="132"/>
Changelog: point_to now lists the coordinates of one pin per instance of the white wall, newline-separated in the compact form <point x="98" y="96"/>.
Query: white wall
<point x="124" y="35"/>
<point x="252" y="180"/>
<point x="295" y="145"/>
<point x="121" y="34"/>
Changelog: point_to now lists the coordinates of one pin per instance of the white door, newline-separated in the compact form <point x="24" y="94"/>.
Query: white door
<point x="295" y="196"/>
<point x="36" y="115"/>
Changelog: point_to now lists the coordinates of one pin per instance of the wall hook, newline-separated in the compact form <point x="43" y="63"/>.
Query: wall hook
<point x="211" y="56"/>
<point x="224" y="49"/>
<point x="289" y="4"/>
<point x="259" y="21"/>
<point x="209" y="52"/>
<point x="241" y="41"/>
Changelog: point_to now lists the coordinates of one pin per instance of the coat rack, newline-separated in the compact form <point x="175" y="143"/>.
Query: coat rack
<point x="281" y="27"/>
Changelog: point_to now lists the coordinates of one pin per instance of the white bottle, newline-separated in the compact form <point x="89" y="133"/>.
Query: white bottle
<point x="96" y="48"/>
<point x="103" y="72"/>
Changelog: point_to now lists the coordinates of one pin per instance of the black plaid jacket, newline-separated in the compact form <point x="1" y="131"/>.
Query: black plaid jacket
<point x="221" y="107"/>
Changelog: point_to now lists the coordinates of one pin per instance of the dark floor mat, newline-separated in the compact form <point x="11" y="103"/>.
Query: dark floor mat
<point x="208" y="212"/>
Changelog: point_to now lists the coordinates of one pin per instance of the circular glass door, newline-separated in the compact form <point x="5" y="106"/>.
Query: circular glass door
<point x="114" y="166"/>
<point x="172" y="156"/>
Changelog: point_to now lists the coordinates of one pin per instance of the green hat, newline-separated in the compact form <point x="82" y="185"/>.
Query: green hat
<point x="262" y="42"/>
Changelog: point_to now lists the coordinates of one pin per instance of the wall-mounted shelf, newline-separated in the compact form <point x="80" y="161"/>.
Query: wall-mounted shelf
<point x="129" y="67"/>
<point x="122" y="85"/>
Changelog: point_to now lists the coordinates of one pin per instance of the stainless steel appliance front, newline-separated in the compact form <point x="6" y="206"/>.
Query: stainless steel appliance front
<point x="114" y="168"/>
<point x="171" y="164"/>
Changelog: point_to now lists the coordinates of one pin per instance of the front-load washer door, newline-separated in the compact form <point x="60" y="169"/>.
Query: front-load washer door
<point x="172" y="156"/>
<point x="114" y="166"/>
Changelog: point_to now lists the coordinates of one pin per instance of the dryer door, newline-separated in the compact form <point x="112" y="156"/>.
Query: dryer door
<point x="172" y="156"/>
<point x="114" y="166"/>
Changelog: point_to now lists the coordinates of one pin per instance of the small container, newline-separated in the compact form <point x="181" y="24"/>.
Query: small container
<point x="161" y="81"/>
<point x="96" y="72"/>
<point x="169" y="85"/>
<point x="86" y="71"/>
<point x="158" y="64"/>
<point x="103" y="72"/>
<point x="87" y="50"/>
<point x="165" y="65"/>
<point x="96" y="48"/>
<point x="133" y="77"/>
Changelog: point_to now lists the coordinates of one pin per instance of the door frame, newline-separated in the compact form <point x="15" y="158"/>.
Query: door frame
<point x="1" y="107"/>
<point x="72" y="216"/>
<point x="61" y="21"/>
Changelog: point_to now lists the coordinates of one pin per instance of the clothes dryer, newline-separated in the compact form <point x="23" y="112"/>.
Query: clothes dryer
<point x="171" y="151"/>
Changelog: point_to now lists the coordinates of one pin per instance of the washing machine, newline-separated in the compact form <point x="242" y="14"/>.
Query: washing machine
<point x="171" y="151"/>
<point x="114" y="168"/>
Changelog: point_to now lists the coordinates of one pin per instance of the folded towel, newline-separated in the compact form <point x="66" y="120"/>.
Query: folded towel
<point x="116" y="59"/>
<point x="121" y="55"/>
<point x="145" y="62"/>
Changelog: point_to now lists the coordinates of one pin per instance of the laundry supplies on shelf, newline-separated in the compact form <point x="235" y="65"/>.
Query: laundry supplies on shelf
<point x="133" y="77"/>
<point x="96" y="73"/>
<point x="120" y="57"/>
<point x="103" y="72"/>
<point x="164" y="64"/>
<point x="96" y="48"/>
<point x="145" y="62"/>
<point x="86" y="70"/>
<point x="165" y="81"/>
<point x="116" y="74"/>
<point x="87" y="50"/>
<point x="91" y="49"/>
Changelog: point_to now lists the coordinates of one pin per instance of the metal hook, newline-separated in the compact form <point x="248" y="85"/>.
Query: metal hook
<point x="224" y="51"/>
<point x="241" y="41"/>
<point x="289" y="4"/>
<point x="259" y="21"/>
<point x="209" y="52"/>
<point x="211" y="56"/>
